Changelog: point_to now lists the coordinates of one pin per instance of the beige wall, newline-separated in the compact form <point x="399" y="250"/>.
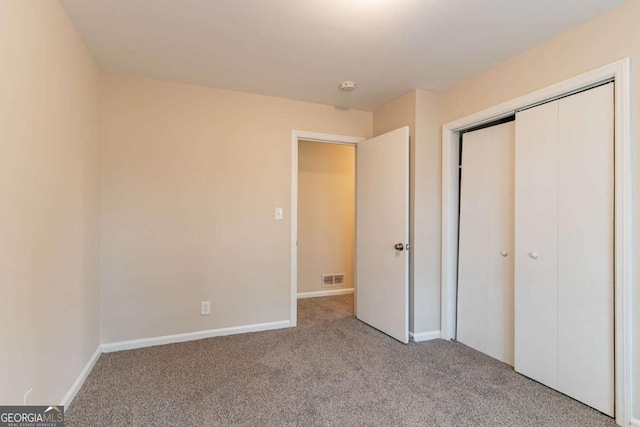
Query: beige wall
<point x="427" y="195"/>
<point x="190" y="179"/>
<point x="608" y="38"/>
<point x="419" y="109"/>
<point x="326" y="214"/>
<point x="397" y="113"/>
<point x="49" y="192"/>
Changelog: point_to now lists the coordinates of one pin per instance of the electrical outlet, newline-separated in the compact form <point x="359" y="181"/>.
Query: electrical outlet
<point x="205" y="308"/>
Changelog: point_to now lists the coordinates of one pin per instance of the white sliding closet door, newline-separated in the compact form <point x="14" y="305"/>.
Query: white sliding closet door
<point x="485" y="278"/>
<point x="536" y="254"/>
<point x="564" y="246"/>
<point x="585" y="248"/>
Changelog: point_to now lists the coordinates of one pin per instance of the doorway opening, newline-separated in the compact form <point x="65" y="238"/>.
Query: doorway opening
<point x="381" y="296"/>
<point x="326" y="228"/>
<point x="314" y="145"/>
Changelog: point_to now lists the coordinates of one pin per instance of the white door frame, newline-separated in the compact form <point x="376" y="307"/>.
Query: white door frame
<point x="620" y="72"/>
<point x="296" y="136"/>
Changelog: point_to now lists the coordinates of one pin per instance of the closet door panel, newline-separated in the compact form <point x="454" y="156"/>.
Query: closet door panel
<point x="500" y="304"/>
<point x="585" y="246"/>
<point x="485" y="279"/>
<point x="536" y="256"/>
<point x="473" y="263"/>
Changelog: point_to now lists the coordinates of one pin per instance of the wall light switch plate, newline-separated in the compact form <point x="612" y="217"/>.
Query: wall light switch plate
<point x="205" y="308"/>
<point x="279" y="213"/>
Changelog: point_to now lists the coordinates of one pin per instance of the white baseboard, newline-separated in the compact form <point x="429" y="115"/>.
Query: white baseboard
<point x="424" y="336"/>
<point x="192" y="336"/>
<point x="635" y="422"/>
<point x="330" y="293"/>
<point x="68" y="398"/>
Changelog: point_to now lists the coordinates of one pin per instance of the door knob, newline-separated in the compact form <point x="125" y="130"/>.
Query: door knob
<point x="504" y="253"/>
<point x="399" y="246"/>
<point x="534" y="255"/>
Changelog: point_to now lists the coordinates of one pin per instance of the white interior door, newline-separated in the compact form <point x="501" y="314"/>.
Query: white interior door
<point x="585" y="248"/>
<point x="536" y="250"/>
<point x="564" y="245"/>
<point x="485" y="275"/>
<point x="382" y="222"/>
<point x="500" y="316"/>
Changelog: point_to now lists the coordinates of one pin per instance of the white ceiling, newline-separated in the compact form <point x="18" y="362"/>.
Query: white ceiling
<point x="302" y="49"/>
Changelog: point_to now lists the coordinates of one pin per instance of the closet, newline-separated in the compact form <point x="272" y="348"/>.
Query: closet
<point x="536" y="258"/>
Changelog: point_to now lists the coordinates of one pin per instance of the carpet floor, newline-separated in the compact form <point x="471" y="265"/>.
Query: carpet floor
<point x="332" y="370"/>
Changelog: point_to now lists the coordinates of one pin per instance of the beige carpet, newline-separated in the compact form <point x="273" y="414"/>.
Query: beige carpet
<point x="332" y="370"/>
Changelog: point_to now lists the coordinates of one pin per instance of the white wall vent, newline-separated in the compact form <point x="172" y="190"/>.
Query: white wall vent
<point x="333" y="279"/>
<point x="327" y="280"/>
